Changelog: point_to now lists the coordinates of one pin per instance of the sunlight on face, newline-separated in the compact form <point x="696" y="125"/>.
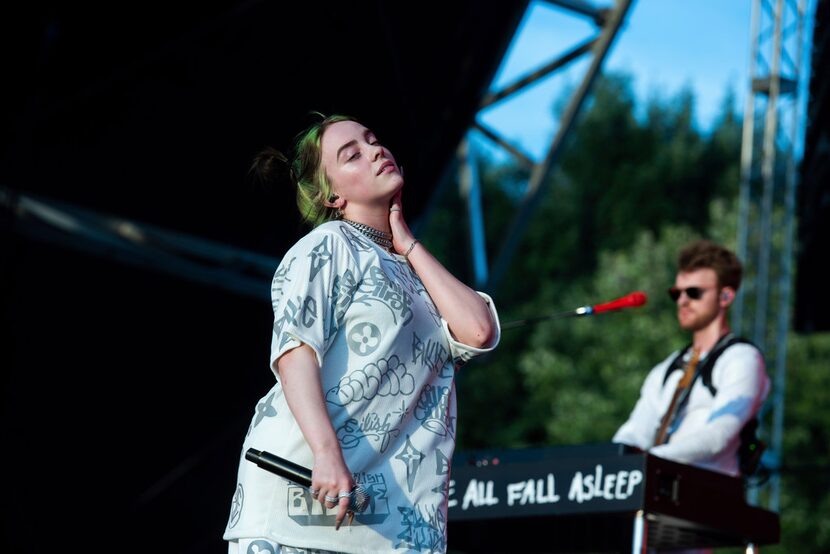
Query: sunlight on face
<point x="362" y="171"/>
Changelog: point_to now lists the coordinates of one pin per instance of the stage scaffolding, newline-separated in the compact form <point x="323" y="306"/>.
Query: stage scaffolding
<point x="766" y="219"/>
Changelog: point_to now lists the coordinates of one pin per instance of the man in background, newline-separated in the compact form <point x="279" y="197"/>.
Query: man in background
<point x="694" y="405"/>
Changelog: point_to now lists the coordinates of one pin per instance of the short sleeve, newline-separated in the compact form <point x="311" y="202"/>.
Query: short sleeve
<point x="311" y="290"/>
<point x="462" y="353"/>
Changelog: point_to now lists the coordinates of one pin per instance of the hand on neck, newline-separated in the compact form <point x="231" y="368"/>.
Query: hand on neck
<point x="377" y="217"/>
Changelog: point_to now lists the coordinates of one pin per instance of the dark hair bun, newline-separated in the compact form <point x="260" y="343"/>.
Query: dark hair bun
<point x="270" y="165"/>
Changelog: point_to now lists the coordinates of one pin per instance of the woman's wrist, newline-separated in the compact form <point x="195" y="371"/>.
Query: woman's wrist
<point x="410" y="248"/>
<point x="326" y="448"/>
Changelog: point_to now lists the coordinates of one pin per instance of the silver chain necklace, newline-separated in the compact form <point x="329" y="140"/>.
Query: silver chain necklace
<point x="382" y="239"/>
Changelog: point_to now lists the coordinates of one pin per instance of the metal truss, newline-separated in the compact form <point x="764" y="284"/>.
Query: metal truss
<point x="243" y="272"/>
<point x="608" y="22"/>
<point x="138" y="244"/>
<point x="767" y="204"/>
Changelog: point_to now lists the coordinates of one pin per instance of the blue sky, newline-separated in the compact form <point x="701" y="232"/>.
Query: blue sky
<point x="665" y="45"/>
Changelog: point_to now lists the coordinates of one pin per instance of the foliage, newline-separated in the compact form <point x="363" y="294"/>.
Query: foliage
<point x="628" y="192"/>
<point x="585" y="374"/>
<point x="805" y="501"/>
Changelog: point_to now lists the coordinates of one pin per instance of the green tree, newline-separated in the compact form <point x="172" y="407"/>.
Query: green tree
<point x="628" y="192"/>
<point x="805" y="478"/>
<point x="619" y="176"/>
<point x="585" y="374"/>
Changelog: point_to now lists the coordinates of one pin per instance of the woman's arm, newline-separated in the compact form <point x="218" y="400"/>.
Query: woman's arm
<point x="466" y="313"/>
<point x="300" y="376"/>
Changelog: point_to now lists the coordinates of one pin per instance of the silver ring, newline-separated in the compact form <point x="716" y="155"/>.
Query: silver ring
<point x="331" y="499"/>
<point x="314" y="492"/>
<point x="344" y="494"/>
<point x="394" y="209"/>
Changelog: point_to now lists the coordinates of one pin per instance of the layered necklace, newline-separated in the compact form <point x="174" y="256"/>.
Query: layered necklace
<point x="382" y="239"/>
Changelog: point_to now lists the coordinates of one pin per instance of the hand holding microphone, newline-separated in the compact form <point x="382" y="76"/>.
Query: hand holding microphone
<point x="358" y="497"/>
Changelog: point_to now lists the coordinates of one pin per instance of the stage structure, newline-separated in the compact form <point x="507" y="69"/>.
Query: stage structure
<point x="243" y="271"/>
<point x="432" y="120"/>
<point x="608" y="21"/>
<point x="139" y="244"/>
<point x="771" y="133"/>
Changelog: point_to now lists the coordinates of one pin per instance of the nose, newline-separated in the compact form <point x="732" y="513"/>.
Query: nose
<point x="379" y="151"/>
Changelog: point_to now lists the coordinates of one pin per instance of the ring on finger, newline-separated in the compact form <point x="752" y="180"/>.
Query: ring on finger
<point x="332" y="499"/>
<point x="344" y="494"/>
<point x="314" y="492"/>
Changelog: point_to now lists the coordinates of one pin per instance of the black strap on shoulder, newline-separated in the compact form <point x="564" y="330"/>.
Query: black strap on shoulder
<point x="704" y="370"/>
<point x="751" y="447"/>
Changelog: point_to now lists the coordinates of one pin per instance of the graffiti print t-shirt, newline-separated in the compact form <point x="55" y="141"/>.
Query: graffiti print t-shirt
<point x="388" y="365"/>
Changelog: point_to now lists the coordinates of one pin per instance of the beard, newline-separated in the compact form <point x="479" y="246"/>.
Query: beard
<point x="695" y="321"/>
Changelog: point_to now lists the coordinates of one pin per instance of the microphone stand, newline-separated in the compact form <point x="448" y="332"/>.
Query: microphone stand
<point x="582" y="310"/>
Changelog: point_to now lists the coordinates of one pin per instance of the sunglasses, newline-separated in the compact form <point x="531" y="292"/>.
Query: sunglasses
<point x="694" y="293"/>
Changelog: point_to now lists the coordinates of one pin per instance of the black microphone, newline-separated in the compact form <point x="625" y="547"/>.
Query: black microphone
<point x="359" y="498"/>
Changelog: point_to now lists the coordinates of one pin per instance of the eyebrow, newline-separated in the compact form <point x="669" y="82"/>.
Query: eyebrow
<point x="353" y="142"/>
<point x="350" y="143"/>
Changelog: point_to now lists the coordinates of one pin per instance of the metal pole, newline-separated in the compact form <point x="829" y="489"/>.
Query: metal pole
<point x="639" y="541"/>
<point x="785" y="278"/>
<point x="768" y="179"/>
<point x="541" y="171"/>
<point x="471" y="192"/>
<point x="747" y="147"/>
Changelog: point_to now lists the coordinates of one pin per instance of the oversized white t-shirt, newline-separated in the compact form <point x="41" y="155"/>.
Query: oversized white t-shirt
<point x="388" y="365"/>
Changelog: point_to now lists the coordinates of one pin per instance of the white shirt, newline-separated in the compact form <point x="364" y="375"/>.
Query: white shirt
<point x="387" y="365"/>
<point x="708" y="432"/>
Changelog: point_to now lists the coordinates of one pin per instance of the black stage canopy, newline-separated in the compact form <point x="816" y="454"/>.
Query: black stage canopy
<point x="127" y="392"/>
<point x="154" y="112"/>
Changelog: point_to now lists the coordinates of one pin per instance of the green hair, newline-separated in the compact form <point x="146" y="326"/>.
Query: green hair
<point x="305" y="169"/>
<point x="307" y="172"/>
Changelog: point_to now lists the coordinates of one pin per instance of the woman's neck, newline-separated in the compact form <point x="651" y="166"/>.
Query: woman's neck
<point x="377" y="219"/>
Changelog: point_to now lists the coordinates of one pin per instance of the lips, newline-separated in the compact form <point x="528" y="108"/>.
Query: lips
<point x="685" y="313"/>
<point x="384" y="166"/>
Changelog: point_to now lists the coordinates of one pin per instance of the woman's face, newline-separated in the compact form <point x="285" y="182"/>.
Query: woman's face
<point x="362" y="172"/>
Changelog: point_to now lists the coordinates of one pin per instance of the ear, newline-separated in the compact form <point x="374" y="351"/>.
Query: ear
<point x="727" y="295"/>
<point x="334" y="201"/>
